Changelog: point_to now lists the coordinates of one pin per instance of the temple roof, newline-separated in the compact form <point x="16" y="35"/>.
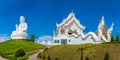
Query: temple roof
<point x="71" y="17"/>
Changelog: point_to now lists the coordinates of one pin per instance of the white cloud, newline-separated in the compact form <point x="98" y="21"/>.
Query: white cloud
<point x="4" y="37"/>
<point x="43" y="42"/>
<point x="49" y="43"/>
<point x="46" y="40"/>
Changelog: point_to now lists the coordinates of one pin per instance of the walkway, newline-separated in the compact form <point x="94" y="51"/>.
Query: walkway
<point x="1" y="58"/>
<point x="34" y="56"/>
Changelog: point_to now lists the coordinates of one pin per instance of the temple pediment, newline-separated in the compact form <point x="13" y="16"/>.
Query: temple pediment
<point x="71" y="19"/>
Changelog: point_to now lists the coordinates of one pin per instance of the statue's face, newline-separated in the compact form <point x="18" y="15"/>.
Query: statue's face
<point x="22" y="19"/>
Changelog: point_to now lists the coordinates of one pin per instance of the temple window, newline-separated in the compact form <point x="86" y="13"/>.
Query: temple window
<point x="56" y="41"/>
<point x="69" y="40"/>
<point x="63" y="41"/>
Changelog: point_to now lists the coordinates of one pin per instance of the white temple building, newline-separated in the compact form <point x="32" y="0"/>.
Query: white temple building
<point x="70" y="31"/>
<point x="21" y="30"/>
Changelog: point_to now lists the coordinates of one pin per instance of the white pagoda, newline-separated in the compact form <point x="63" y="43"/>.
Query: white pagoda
<point x="70" y="31"/>
<point x="21" y="30"/>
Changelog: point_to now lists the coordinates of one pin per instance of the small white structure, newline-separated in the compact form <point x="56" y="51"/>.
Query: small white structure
<point x="21" y="30"/>
<point x="70" y="31"/>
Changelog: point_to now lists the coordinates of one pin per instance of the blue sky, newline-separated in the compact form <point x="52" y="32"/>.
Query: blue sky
<point x="42" y="15"/>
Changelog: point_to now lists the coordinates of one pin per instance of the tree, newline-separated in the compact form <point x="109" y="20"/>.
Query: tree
<point x="112" y="39"/>
<point x="43" y="57"/>
<point x="81" y="49"/>
<point x="20" y="53"/>
<point x="86" y="58"/>
<point x="117" y="39"/>
<point x="56" y="58"/>
<point x="106" y="56"/>
<point x="33" y="38"/>
<point x="48" y="57"/>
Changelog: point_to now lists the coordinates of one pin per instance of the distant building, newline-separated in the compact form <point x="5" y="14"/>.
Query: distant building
<point x="70" y="31"/>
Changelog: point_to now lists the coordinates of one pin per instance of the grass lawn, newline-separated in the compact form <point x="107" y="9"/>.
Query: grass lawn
<point x="92" y="51"/>
<point x="9" y="48"/>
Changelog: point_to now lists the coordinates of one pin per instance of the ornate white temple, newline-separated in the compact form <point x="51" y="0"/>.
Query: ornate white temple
<point x="70" y="31"/>
<point x="21" y="30"/>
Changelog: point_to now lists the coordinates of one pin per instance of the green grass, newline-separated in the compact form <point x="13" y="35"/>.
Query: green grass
<point x="92" y="51"/>
<point x="10" y="47"/>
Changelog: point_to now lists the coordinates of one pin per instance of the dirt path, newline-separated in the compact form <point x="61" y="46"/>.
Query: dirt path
<point x="1" y="58"/>
<point x="34" y="56"/>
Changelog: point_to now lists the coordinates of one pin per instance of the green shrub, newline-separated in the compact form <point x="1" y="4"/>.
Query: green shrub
<point x="39" y="55"/>
<point x="86" y="58"/>
<point x="106" y="56"/>
<point x="56" y="58"/>
<point x="20" y="53"/>
<point x="45" y="49"/>
<point x="3" y="55"/>
<point x="43" y="57"/>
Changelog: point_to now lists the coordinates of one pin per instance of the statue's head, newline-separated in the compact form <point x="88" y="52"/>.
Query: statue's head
<point x="22" y="19"/>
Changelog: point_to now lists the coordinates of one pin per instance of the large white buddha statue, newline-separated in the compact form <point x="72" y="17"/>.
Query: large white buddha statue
<point x="21" y="30"/>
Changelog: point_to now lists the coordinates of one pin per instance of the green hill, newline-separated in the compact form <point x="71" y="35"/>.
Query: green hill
<point x="8" y="49"/>
<point x="92" y="51"/>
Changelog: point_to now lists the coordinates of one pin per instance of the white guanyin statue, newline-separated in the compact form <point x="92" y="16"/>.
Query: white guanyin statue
<point x="21" y="30"/>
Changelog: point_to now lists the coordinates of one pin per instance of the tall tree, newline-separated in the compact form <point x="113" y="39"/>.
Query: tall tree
<point x="112" y="39"/>
<point x="33" y="38"/>
<point x="117" y="39"/>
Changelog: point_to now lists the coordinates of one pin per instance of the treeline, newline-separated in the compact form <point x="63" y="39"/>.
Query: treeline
<point x="32" y="38"/>
<point x="115" y="40"/>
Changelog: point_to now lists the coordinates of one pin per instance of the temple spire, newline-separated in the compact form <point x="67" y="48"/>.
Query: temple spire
<point x="103" y="26"/>
<point x="102" y="17"/>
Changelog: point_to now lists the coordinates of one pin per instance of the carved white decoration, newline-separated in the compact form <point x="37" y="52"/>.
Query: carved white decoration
<point x="21" y="30"/>
<point x="78" y="37"/>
